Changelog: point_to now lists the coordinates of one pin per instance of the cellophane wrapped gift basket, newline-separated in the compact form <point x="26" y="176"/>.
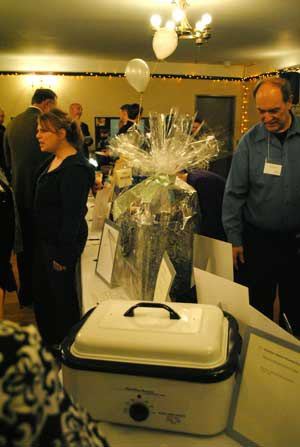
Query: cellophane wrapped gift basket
<point x="161" y="213"/>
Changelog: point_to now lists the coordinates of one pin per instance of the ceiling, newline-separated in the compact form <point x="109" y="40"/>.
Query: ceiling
<point x="244" y="32"/>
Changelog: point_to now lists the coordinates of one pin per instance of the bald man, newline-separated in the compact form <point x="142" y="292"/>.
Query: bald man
<point x="261" y="207"/>
<point x="75" y="111"/>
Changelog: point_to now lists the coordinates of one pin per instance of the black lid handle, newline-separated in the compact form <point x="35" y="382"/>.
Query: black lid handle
<point x="173" y="315"/>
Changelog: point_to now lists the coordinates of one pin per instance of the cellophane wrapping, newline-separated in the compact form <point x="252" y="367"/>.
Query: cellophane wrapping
<point x="161" y="213"/>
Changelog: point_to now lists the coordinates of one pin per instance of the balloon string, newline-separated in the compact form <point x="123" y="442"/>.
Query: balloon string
<point x="155" y="67"/>
<point x="154" y="70"/>
<point x="140" y="106"/>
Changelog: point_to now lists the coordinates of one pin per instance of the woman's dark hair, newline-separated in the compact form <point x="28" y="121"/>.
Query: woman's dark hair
<point x="198" y="118"/>
<point x="57" y="119"/>
<point x="134" y="110"/>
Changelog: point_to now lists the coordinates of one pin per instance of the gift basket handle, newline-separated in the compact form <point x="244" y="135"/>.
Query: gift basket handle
<point x="173" y="315"/>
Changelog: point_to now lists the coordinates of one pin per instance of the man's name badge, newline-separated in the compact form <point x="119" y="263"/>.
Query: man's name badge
<point x="272" y="168"/>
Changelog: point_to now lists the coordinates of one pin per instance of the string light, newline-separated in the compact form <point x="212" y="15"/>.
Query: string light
<point x="245" y="81"/>
<point x="192" y="76"/>
<point x="82" y="75"/>
<point x="244" y="111"/>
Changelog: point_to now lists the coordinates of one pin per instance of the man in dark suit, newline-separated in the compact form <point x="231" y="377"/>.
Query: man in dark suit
<point x="75" y="111"/>
<point x="23" y="158"/>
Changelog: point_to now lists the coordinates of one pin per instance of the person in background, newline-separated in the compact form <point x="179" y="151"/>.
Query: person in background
<point x="210" y="190"/>
<point x="209" y="186"/>
<point x="261" y="212"/>
<point x="35" y="410"/>
<point x="75" y="111"/>
<point x="123" y="115"/>
<point x="2" y="130"/>
<point x="221" y="164"/>
<point x="23" y="159"/>
<point x="61" y="231"/>
<point x="134" y="112"/>
<point x="200" y="127"/>
<point x="7" y="240"/>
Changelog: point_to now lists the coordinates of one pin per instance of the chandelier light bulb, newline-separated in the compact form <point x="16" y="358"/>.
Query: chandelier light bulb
<point x="178" y="15"/>
<point x="206" y="19"/>
<point x="200" y="25"/>
<point x="155" y="21"/>
<point x="170" y="24"/>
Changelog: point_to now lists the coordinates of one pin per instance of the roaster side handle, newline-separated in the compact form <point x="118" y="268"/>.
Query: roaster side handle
<point x="173" y="315"/>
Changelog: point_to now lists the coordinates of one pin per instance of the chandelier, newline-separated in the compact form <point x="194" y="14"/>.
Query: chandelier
<point x="200" y="33"/>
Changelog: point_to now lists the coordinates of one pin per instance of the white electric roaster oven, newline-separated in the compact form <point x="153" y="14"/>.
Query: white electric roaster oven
<point x="148" y="364"/>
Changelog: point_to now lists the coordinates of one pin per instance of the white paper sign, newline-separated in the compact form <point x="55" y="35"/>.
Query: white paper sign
<point x="233" y="297"/>
<point x="101" y="208"/>
<point x="214" y="256"/>
<point x="265" y="409"/>
<point x="107" y="251"/>
<point x="123" y="177"/>
<point x="165" y="278"/>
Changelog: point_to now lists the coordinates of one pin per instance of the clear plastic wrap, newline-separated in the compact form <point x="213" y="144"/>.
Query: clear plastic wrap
<point x="161" y="213"/>
<point x="168" y="148"/>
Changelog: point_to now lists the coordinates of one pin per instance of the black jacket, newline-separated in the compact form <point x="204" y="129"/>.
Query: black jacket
<point x="60" y="207"/>
<point x="2" y="158"/>
<point x="23" y="155"/>
<point x="126" y="127"/>
<point x="210" y="189"/>
<point x="86" y="133"/>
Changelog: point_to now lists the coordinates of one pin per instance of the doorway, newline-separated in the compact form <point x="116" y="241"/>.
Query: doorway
<point x="218" y="112"/>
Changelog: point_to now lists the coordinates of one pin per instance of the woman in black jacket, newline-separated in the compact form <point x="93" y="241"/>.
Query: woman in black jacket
<point x="61" y="230"/>
<point x="7" y="239"/>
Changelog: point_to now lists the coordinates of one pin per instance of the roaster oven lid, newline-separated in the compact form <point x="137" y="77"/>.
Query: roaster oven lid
<point x="173" y="334"/>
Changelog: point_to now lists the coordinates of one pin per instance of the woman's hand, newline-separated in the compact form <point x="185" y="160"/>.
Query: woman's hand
<point x="58" y="267"/>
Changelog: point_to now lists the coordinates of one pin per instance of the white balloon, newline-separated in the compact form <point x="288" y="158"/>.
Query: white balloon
<point x="137" y="74"/>
<point x="164" y="42"/>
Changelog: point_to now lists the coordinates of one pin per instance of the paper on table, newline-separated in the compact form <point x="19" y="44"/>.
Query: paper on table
<point x="260" y="321"/>
<point x="214" y="256"/>
<point x="234" y="298"/>
<point x="266" y="401"/>
<point x="165" y="278"/>
<point x="107" y="251"/>
<point x="101" y="208"/>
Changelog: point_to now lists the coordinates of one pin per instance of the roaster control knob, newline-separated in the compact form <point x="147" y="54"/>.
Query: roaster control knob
<point x="138" y="411"/>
